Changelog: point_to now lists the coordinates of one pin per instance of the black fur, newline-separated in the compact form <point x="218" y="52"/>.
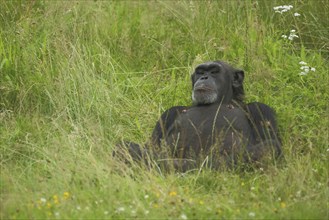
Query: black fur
<point x="218" y="130"/>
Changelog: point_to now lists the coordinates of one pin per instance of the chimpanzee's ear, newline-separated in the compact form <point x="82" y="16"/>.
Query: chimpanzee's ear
<point x="238" y="76"/>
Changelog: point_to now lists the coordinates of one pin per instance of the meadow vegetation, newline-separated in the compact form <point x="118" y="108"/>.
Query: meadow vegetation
<point x="77" y="77"/>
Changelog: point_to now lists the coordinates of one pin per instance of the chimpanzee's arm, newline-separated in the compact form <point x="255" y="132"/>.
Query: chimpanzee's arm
<point x="163" y="124"/>
<point x="263" y="123"/>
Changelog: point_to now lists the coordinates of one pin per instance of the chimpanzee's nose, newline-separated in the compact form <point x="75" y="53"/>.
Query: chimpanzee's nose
<point x="204" y="77"/>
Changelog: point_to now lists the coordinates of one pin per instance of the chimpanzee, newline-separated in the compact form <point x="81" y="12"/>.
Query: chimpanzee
<point x="218" y="130"/>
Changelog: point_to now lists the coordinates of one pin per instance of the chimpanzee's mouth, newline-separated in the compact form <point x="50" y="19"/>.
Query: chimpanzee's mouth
<point x="203" y="88"/>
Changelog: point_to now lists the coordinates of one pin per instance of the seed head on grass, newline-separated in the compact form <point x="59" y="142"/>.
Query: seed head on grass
<point x="133" y="212"/>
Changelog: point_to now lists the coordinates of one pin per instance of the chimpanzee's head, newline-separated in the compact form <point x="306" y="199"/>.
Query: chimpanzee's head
<point x="217" y="82"/>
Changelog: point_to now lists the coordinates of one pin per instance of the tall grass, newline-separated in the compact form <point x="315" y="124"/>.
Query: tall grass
<point x="77" y="77"/>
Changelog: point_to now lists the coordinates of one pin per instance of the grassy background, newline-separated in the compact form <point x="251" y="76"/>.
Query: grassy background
<point x="77" y="77"/>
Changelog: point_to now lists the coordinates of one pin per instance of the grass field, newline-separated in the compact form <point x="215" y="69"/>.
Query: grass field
<point x="77" y="77"/>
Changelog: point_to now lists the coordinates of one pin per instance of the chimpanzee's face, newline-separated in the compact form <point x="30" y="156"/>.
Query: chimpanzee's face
<point x="214" y="82"/>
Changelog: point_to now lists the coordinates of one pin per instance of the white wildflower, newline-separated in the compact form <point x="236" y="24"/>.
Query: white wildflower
<point x="146" y="196"/>
<point x="78" y="208"/>
<point x="56" y="214"/>
<point x="252" y="214"/>
<point x="296" y="14"/>
<point x="305" y="69"/>
<point x="43" y="200"/>
<point x="298" y="194"/>
<point x="183" y="216"/>
<point x="292" y="35"/>
<point x="106" y="212"/>
<point x="146" y="212"/>
<point x="121" y="209"/>
<point x="282" y="8"/>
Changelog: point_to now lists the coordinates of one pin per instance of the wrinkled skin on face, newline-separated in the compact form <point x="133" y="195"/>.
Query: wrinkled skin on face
<point x="215" y="82"/>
